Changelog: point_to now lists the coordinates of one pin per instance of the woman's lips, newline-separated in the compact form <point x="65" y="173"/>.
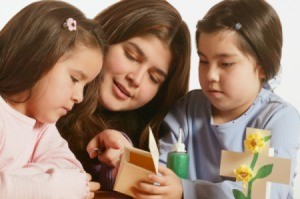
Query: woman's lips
<point x="121" y="91"/>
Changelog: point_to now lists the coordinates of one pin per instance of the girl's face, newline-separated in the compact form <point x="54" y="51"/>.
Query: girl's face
<point x="133" y="71"/>
<point x="230" y="79"/>
<point x="56" y="93"/>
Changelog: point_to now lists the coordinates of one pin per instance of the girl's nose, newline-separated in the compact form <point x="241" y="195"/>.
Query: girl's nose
<point x="78" y="95"/>
<point x="212" y="74"/>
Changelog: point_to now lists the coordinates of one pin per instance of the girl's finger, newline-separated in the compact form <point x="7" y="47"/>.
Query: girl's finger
<point x="153" y="189"/>
<point x="157" y="179"/>
<point x="145" y="195"/>
<point x="91" y="195"/>
<point x="164" y="170"/>
<point x="94" y="186"/>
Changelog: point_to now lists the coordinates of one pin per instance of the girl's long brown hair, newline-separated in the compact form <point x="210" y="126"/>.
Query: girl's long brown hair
<point x="34" y="39"/>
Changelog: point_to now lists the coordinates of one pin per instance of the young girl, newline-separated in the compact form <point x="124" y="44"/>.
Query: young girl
<point x="146" y="69"/>
<point x="239" y="44"/>
<point x="49" y="51"/>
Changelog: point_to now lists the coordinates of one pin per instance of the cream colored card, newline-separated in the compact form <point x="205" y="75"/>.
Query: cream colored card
<point x="136" y="164"/>
<point x="153" y="150"/>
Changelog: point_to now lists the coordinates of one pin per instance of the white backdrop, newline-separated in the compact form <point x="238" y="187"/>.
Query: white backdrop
<point x="288" y="10"/>
<point x="192" y="11"/>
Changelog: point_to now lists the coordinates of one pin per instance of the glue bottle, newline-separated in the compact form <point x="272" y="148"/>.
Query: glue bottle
<point x="178" y="159"/>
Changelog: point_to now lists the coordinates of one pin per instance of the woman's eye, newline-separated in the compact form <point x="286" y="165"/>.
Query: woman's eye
<point x="74" y="79"/>
<point x="154" y="79"/>
<point x="130" y="56"/>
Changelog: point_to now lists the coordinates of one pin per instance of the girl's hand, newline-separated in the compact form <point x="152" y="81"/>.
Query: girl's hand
<point x="94" y="186"/>
<point x="111" y="144"/>
<point x="169" y="186"/>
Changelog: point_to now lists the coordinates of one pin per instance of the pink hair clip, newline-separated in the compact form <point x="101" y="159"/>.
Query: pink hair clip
<point x="70" y="23"/>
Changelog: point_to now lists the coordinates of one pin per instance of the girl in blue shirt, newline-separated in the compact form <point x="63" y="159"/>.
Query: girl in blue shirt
<point x="239" y="44"/>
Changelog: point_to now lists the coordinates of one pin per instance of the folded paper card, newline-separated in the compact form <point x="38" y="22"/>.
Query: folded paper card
<point x="136" y="164"/>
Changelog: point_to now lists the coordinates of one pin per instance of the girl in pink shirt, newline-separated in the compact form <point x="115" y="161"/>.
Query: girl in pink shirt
<point x="49" y="51"/>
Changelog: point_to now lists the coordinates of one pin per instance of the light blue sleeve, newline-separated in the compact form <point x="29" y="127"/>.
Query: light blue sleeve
<point x="285" y="130"/>
<point x="201" y="189"/>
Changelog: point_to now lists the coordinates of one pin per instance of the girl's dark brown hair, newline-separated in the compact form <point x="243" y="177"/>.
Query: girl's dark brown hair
<point x="34" y="39"/>
<point x="259" y="36"/>
<point x="120" y="22"/>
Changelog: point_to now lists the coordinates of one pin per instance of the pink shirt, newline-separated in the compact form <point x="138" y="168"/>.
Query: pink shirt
<point x="35" y="161"/>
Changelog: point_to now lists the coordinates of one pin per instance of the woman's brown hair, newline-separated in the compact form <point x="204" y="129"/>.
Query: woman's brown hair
<point x="120" y="22"/>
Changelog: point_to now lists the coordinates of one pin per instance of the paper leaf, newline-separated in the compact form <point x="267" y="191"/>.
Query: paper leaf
<point x="264" y="171"/>
<point x="267" y="138"/>
<point x="238" y="194"/>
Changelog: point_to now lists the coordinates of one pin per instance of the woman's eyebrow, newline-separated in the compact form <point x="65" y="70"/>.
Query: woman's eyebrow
<point x="137" y="48"/>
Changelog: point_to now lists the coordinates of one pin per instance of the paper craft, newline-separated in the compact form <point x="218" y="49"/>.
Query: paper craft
<point x="136" y="164"/>
<point x="257" y="167"/>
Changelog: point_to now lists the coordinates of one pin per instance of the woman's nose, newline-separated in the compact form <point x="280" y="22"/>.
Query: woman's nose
<point x="136" y="77"/>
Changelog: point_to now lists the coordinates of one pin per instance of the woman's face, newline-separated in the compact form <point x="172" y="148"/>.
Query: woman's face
<point x="132" y="72"/>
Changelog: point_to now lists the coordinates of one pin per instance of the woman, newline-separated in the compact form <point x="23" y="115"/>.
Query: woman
<point x="146" y="69"/>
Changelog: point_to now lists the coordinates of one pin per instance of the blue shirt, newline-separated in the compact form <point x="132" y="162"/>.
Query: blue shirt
<point x="204" y="141"/>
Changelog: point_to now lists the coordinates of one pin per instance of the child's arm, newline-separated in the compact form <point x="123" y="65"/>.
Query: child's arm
<point x="28" y="183"/>
<point x="166" y="185"/>
<point x="51" y="172"/>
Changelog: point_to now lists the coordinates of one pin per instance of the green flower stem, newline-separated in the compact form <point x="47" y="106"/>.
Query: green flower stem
<point x="250" y="188"/>
<point x="254" y="160"/>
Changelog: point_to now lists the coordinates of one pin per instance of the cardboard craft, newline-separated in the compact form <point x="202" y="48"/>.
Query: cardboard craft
<point x="135" y="165"/>
<point x="261" y="187"/>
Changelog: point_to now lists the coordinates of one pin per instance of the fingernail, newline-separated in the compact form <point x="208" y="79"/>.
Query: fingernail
<point x="99" y="151"/>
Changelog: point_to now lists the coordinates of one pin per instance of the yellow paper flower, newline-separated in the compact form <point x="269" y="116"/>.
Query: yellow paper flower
<point x="243" y="173"/>
<point x="254" y="142"/>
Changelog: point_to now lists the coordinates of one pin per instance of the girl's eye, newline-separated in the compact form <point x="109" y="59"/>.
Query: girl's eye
<point x="74" y="79"/>
<point x="203" y="62"/>
<point x="227" y="64"/>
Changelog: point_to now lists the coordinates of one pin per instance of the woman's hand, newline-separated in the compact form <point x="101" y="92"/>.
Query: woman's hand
<point x="110" y="144"/>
